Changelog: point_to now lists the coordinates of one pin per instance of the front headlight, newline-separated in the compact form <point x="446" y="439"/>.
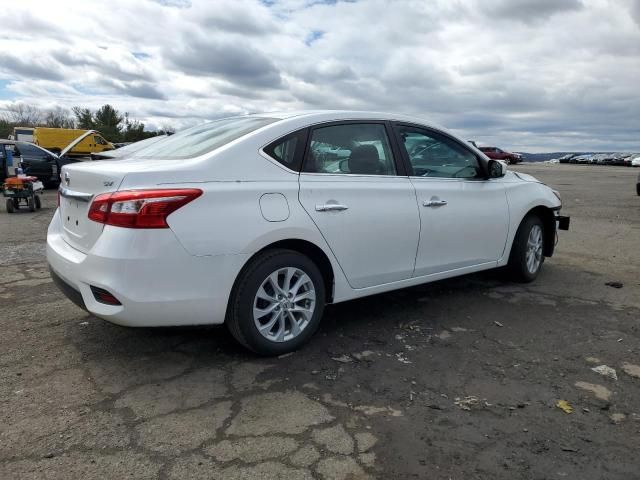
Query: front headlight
<point x="557" y="194"/>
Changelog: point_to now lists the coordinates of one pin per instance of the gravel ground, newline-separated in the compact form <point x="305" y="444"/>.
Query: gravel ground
<point x="458" y="379"/>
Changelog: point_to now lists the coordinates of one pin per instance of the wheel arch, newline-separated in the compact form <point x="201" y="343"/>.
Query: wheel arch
<point x="307" y="248"/>
<point x="547" y="216"/>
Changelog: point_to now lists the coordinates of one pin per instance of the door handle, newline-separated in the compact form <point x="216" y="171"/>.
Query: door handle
<point x="434" y="203"/>
<point x="331" y="207"/>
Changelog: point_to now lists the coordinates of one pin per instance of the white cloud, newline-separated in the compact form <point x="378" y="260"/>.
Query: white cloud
<point x="525" y="74"/>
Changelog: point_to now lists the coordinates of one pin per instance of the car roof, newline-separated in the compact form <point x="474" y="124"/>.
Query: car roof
<point x="312" y="116"/>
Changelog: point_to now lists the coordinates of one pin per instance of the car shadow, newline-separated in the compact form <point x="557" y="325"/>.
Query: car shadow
<point x="368" y="319"/>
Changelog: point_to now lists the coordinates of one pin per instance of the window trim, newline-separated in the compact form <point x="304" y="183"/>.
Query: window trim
<point x="397" y="160"/>
<point x="436" y="134"/>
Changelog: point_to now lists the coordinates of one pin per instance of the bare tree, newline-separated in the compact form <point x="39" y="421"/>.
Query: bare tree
<point x="59" y="117"/>
<point x="24" y="115"/>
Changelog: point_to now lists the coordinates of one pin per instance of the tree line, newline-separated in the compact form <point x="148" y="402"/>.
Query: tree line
<point x="113" y="125"/>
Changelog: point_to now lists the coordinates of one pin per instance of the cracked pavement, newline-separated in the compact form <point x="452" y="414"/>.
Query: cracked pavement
<point x="456" y="379"/>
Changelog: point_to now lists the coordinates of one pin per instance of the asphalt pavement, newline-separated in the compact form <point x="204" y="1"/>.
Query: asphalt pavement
<point x="469" y="378"/>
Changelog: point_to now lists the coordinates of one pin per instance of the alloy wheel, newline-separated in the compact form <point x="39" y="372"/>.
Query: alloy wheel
<point x="284" y="304"/>
<point x="534" y="249"/>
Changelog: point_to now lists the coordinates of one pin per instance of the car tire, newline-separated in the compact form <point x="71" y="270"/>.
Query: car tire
<point x="296" y="276"/>
<point x="10" y="205"/>
<point x="527" y="252"/>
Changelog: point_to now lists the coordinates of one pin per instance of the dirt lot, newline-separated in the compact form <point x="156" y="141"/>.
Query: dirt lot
<point x="458" y="379"/>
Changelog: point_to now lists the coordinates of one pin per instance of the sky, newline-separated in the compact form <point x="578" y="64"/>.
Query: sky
<point x="526" y="75"/>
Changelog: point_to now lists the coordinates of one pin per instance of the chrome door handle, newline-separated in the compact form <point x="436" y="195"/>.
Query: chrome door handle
<point x="434" y="203"/>
<point x="331" y="207"/>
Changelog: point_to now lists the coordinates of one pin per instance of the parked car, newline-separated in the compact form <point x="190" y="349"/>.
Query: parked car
<point x="635" y="161"/>
<point x="597" y="158"/>
<point x="242" y="221"/>
<point x="36" y="161"/>
<point x="625" y="159"/>
<point x="619" y="159"/>
<point x="638" y="185"/>
<point x="496" y="153"/>
<point x="582" y="159"/>
<point x="566" y="158"/>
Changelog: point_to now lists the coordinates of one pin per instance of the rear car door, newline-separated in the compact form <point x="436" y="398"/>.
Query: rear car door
<point x="464" y="217"/>
<point x="354" y="189"/>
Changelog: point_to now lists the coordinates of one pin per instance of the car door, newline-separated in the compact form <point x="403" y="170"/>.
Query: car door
<point x="464" y="217"/>
<point x="354" y="188"/>
<point x="35" y="161"/>
<point x="3" y="163"/>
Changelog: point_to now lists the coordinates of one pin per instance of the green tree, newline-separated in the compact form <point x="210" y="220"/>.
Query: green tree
<point x="84" y="118"/>
<point x="114" y="126"/>
<point x="6" y="128"/>
<point x="108" y="121"/>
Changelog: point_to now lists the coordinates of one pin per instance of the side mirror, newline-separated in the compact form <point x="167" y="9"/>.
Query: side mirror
<point x="497" y="169"/>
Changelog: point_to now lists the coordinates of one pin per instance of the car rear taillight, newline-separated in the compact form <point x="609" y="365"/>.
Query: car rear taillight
<point x="140" y="208"/>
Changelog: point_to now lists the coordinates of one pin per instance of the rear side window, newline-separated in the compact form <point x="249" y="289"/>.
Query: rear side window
<point x="288" y="150"/>
<point x="357" y="149"/>
<point x="202" y="139"/>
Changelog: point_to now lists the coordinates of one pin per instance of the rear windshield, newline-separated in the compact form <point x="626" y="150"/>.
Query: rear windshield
<point x="201" y="139"/>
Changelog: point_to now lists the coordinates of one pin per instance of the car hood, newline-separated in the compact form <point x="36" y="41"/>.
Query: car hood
<point x="75" y="142"/>
<point x="515" y="176"/>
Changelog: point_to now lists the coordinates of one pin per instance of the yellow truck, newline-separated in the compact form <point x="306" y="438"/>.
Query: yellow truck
<point x="56" y="139"/>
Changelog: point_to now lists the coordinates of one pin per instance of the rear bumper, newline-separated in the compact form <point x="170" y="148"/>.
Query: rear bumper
<point x="156" y="281"/>
<point x="71" y="293"/>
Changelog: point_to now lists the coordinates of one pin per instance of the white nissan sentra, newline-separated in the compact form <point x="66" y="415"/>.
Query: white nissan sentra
<point x="259" y="221"/>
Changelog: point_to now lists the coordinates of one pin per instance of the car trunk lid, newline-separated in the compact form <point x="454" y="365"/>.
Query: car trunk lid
<point x="81" y="182"/>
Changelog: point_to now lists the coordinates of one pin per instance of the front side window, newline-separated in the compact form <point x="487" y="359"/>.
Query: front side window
<point x="358" y="149"/>
<point x="202" y="139"/>
<point x="98" y="140"/>
<point x="434" y="155"/>
<point x="31" y="151"/>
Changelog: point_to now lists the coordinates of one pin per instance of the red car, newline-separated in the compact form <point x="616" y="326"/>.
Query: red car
<point x="496" y="153"/>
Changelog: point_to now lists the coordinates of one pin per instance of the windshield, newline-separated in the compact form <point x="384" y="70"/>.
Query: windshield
<point x="202" y="139"/>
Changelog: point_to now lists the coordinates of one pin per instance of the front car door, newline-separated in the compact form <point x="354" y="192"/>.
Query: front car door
<point x="36" y="162"/>
<point x="353" y="187"/>
<point x="464" y="216"/>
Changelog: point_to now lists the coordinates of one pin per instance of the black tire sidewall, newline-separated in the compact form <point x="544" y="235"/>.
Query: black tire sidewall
<point x="518" y="257"/>
<point x="10" y="205"/>
<point x="38" y="202"/>
<point x="251" y="280"/>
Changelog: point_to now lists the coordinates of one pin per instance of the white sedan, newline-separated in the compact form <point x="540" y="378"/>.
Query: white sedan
<point x="259" y="221"/>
